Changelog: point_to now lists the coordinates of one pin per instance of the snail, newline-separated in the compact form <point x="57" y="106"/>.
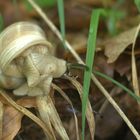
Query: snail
<point x="27" y="65"/>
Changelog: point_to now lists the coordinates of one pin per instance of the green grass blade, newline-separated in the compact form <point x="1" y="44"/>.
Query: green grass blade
<point x="60" y="4"/>
<point x="137" y="2"/>
<point x="91" y="45"/>
<point x="132" y="94"/>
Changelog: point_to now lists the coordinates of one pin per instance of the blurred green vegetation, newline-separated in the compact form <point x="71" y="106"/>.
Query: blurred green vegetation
<point x="1" y="23"/>
<point x="137" y="2"/>
<point x="111" y="17"/>
<point x="41" y="3"/>
<point x="60" y="5"/>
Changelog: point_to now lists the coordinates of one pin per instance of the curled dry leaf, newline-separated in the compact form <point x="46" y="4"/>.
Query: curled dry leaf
<point x="27" y="102"/>
<point x="50" y="116"/>
<point x="28" y="114"/>
<point x="69" y="101"/>
<point x="11" y="123"/>
<point x="89" y="113"/>
<point x="12" y="118"/>
<point x="115" y="46"/>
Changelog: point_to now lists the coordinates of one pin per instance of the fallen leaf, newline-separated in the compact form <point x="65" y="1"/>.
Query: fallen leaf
<point x="27" y="102"/>
<point x="27" y="113"/>
<point x="50" y="116"/>
<point x="12" y="118"/>
<point x="115" y="46"/>
<point x="64" y="95"/>
<point x="121" y="67"/>
<point x="108" y="125"/>
<point x="89" y="112"/>
<point x="11" y="123"/>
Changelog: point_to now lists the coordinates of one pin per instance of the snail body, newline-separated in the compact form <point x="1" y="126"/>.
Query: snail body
<point x="27" y="64"/>
<point x="10" y="82"/>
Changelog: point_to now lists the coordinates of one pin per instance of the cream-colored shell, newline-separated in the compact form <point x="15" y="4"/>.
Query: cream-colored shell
<point x="17" y="38"/>
<point x="26" y="60"/>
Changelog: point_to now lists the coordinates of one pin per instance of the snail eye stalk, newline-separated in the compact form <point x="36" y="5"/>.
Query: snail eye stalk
<point x="77" y="66"/>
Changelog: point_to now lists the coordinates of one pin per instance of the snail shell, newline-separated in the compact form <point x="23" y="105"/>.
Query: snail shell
<point x="17" y="38"/>
<point x="26" y="58"/>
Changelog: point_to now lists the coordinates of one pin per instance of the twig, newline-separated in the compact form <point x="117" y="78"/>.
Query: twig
<point x="114" y="104"/>
<point x="76" y="56"/>
<point x="106" y="103"/>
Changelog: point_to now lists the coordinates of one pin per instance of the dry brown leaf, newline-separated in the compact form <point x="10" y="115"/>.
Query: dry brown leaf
<point x="12" y="118"/>
<point x="89" y="112"/>
<point x="108" y="125"/>
<point x="121" y="67"/>
<point x="69" y="101"/>
<point x="115" y="46"/>
<point x="43" y="111"/>
<point x="27" y="113"/>
<point x="27" y="102"/>
<point x="48" y="112"/>
<point x="12" y="123"/>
